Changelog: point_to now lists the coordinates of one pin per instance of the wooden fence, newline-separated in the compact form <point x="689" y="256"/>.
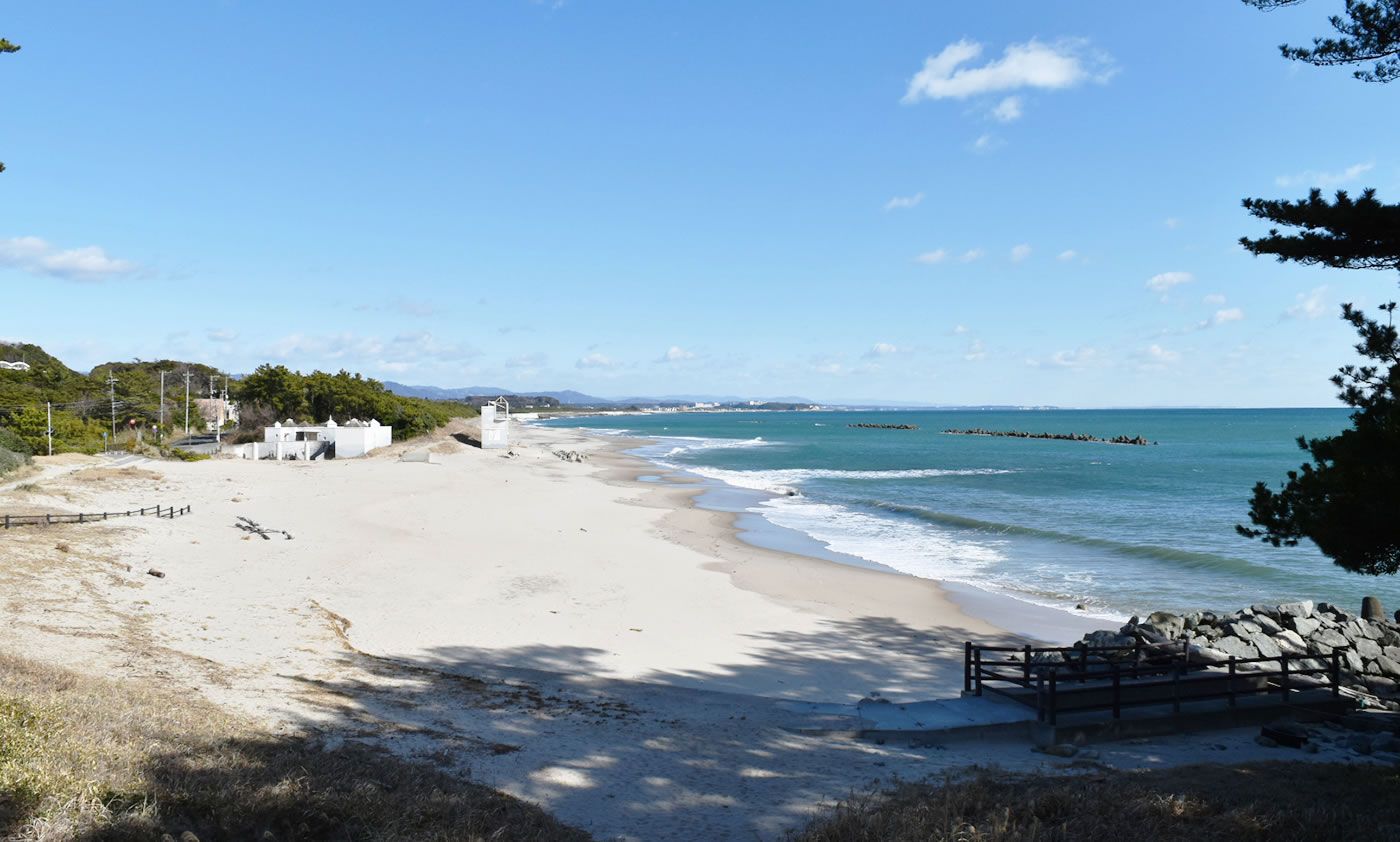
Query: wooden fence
<point x="1102" y="678"/>
<point x="83" y="517"/>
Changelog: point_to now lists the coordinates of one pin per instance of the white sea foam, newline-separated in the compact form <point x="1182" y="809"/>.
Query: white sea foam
<point x="910" y="547"/>
<point x="779" y="481"/>
<point x="692" y="443"/>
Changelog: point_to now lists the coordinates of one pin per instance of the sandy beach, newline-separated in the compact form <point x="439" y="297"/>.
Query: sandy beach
<point x="554" y="629"/>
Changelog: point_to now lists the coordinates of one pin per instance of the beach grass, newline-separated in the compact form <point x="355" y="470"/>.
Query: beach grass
<point x="95" y="759"/>
<point x="1278" y="801"/>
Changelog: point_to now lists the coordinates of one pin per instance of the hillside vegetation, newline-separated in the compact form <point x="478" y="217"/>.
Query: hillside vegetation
<point x="84" y="405"/>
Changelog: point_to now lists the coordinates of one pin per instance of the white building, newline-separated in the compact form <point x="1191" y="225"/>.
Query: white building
<point x="342" y="441"/>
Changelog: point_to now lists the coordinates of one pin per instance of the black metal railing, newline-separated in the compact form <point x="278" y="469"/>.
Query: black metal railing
<point x="1058" y="680"/>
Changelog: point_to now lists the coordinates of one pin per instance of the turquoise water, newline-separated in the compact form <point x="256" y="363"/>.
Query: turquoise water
<point x="1119" y="529"/>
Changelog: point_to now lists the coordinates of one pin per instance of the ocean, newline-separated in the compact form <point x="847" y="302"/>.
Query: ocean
<point x="1118" y="529"/>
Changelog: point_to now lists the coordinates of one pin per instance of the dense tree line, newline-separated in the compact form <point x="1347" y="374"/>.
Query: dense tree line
<point x="275" y="393"/>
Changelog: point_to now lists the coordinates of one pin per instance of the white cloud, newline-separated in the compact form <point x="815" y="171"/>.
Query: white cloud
<point x="676" y="353"/>
<point x="986" y="142"/>
<point x="1035" y="64"/>
<point x="351" y="349"/>
<point x="1213" y="299"/>
<point x="595" y="361"/>
<point x="971" y="255"/>
<point x="1067" y="254"/>
<point x="828" y="368"/>
<point x="1008" y="110"/>
<point x="1308" y="306"/>
<point x="1324" y="180"/>
<point x="1158" y="354"/>
<point x="1021" y="252"/>
<point x="904" y="201"/>
<point x="38" y="257"/>
<point x="221" y="334"/>
<point x="975" y="351"/>
<point x="962" y="329"/>
<point x="1234" y="314"/>
<point x="883" y="348"/>
<point x="931" y="257"/>
<point x="1164" y="282"/>
<point x="19" y="250"/>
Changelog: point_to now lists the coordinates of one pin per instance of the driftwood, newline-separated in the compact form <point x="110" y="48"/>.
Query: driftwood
<point x="251" y="526"/>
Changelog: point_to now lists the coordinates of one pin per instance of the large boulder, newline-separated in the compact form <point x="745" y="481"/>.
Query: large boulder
<point x="1104" y="639"/>
<point x="1387" y="667"/>
<point x="1242" y="627"/>
<point x="1297" y="609"/>
<point x="1371" y="609"/>
<point x="1304" y="626"/>
<point x="1326" y="640"/>
<point x="1169" y="626"/>
<point x="1368" y="649"/>
<point x="1267" y="624"/>
<point x="1261" y="610"/>
<point x="1237" y="647"/>
<point x="1291" y="642"/>
<point x="1265" y="644"/>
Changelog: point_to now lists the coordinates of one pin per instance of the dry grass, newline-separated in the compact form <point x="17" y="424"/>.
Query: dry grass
<point x="118" y="474"/>
<point x="84" y="758"/>
<point x="1277" y="801"/>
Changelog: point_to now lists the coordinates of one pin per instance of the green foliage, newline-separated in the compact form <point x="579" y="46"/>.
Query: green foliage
<point x="10" y="460"/>
<point x="7" y="47"/>
<point x="13" y="442"/>
<point x="1349" y="234"/>
<point x="318" y="396"/>
<point x="1346" y="500"/>
<point x="274" y="386"/>
<point x="1369" y="32"/>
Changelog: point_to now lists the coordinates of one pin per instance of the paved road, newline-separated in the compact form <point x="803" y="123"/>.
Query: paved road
<point x="197" y="444"/>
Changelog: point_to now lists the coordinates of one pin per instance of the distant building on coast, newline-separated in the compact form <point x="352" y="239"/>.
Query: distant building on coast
<point x="216" y="412"/>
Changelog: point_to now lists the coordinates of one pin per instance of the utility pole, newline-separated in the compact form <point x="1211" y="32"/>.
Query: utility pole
<point x="187" y="403"/>
<point x="48" y="407"/>
<point x="112" y="391"/>
<point x="218" y="412"/>
<point x="162" y="400"/>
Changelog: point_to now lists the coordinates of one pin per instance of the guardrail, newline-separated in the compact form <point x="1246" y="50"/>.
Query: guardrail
<point x="83" y="517"/>
<point x="1087" y="678"/>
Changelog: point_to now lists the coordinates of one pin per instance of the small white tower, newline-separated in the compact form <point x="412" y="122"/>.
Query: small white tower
<point x="495" y="424"/>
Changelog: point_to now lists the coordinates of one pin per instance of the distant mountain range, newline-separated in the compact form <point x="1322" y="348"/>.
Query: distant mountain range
<point x="437" y="393"/>
<point x="570" y="397"/>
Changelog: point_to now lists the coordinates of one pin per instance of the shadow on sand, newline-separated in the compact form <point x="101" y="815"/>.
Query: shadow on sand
<point x="683" y="755"/>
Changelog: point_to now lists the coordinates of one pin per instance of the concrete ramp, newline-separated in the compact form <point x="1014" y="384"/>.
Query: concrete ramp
<point x="420" y="456"/>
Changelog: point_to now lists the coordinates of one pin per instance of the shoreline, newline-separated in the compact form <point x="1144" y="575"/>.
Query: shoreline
<point x="750" y="529"/>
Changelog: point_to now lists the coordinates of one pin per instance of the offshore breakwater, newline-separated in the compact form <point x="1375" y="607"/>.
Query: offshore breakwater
<point x="1016" y="434"/>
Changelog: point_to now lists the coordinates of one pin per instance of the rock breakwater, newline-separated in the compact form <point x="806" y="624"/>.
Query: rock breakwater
<point x="886" y="426"/>
<point x="1017" y="434"/>
<point x="1368" y="647"/>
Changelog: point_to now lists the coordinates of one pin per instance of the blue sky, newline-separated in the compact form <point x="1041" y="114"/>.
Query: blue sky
<point x="1011" y="202"/>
